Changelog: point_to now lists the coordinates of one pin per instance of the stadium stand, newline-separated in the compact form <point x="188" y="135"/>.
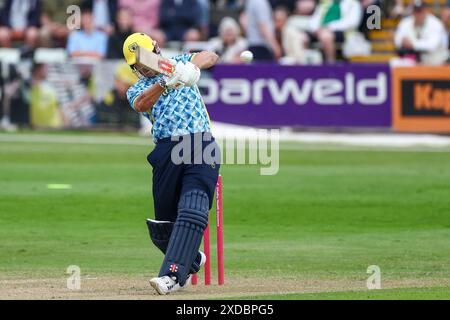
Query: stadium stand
<point x="46" y="31"/>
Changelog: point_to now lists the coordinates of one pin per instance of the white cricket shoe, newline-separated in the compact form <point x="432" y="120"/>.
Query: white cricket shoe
<point x="165" y="285"/>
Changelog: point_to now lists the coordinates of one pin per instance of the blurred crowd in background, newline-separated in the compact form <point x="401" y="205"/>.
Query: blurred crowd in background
<point x="272" y="29"/>
<point x="282" y="31"/>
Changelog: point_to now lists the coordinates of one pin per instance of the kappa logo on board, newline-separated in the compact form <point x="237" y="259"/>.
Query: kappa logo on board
<point x="429" y="97"/>
<point x="421" y="99"/>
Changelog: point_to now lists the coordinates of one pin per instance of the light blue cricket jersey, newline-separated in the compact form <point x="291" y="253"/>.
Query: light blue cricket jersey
<point x="177" y="112"/>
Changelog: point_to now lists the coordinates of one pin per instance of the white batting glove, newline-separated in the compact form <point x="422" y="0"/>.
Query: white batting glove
<point x="189" y="73"/>
<point x="172" y="82"/>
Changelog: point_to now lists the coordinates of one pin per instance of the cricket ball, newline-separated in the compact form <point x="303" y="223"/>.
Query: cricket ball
<point x="247" y="56"/>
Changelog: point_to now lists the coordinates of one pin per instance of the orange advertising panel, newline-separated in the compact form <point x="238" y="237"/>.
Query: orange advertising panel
<point x="421" y="99"/>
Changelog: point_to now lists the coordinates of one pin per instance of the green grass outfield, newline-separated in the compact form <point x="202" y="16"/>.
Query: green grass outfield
<point x="308" y="232"/>
<point x="432" y="293"/>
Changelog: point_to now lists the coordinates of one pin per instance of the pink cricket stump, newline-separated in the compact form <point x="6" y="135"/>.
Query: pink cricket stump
<point x="206" y="246"/>
<point x="206" y="242"/>
<point x="220" y="260"/>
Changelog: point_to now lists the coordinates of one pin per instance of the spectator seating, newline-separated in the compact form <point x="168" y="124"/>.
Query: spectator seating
<point x="381" y="40"/>
<point x="383" y="49"/>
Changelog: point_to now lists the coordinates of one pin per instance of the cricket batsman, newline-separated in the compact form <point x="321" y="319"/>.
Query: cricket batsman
<point x="182" y="192"/>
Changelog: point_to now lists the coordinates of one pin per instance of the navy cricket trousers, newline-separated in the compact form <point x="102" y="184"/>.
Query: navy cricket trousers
<point x="172" y="179"/>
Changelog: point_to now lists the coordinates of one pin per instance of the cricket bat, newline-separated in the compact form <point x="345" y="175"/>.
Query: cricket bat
<point x="155" y="62"/>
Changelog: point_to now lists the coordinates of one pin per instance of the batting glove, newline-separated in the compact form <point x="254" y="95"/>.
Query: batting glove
<point x="190" y="73"/>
